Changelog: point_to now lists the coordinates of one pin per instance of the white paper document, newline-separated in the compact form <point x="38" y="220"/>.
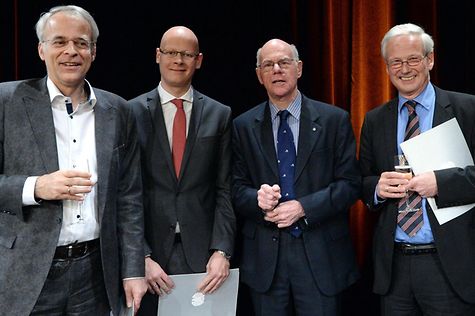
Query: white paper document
<point x="126" y="311"/>
<point x="185" y="300"/>
<point x="439" y="148"/>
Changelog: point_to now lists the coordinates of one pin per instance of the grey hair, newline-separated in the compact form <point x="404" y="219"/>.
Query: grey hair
<point x="70" y="10"/>
<point x="408" y="29"/>
<point x="295" y="54"/>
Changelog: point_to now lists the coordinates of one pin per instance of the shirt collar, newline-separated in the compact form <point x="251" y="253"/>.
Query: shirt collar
<point x="294" y="107"/>
<point x="54" y="92"/>
<point x="166" y="97"/>
<point x="426" y="98"/>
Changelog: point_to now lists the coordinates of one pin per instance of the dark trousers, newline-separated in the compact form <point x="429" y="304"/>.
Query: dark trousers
<point x="419" y="287"/>
<point x="293" y="290"/>
<point x="176" y="265"/>
<point x="74" y="287"/>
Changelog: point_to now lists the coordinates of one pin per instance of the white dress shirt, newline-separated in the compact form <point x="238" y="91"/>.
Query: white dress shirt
<point x="76" y="146"/>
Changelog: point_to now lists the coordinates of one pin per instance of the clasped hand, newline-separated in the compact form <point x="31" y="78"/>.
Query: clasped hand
<point x="282" y="214"/>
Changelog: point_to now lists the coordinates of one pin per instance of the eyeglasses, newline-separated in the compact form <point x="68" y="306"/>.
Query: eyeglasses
<point x="283" y="63"/>
<point x="79" y="43"/>
<point x="414" y="61"/>
<point x="174" y="53"/>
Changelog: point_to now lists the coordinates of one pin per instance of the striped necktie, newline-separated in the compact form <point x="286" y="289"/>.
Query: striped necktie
<point x="411" y="221"/>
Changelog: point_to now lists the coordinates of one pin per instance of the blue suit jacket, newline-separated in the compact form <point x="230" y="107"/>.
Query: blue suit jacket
<point x="327" y="183"/>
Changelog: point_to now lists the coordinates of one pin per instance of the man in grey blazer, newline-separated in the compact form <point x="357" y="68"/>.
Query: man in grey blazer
<point x="186" y="155"/>
<point x="71" y="218"/>
<point x="421" y="267"/>
<point x="297" y="255"/>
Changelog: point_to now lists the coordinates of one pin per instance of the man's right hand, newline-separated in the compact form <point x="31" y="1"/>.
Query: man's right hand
<point x="268" y="197"/>
<point x="157" y="280"/>
<point x="63" y="185"/>
<point x="392" y="185"/>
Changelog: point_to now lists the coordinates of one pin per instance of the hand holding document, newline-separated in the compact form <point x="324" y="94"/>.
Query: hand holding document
<point x="441" y="147"/>
<point x="184" y="300"/>
<point x="127" y="311"/>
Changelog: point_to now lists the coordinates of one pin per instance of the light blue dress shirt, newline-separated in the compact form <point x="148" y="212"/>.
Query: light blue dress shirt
<point x="425" y="111"/>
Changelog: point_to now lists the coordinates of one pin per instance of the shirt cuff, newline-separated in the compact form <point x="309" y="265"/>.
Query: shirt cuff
<point x="28" y="195"/>
<point x="133" y="278"/>
<point x="377" y="199"/>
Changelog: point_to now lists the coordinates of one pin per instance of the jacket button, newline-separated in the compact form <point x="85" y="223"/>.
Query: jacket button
<point x="58" y="220"/>
<point x="275" y="238"/>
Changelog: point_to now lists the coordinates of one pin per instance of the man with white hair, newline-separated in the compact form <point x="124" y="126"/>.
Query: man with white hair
<point x="421" y="267"/>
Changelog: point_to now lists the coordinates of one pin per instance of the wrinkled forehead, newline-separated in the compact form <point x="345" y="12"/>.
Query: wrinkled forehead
<point x="275" y="52"/>
<point x="64" y="24"/>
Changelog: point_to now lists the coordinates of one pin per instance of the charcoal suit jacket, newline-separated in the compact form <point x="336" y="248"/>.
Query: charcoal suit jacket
<point x="29" y="234"/>
<point x="455" y="240"/>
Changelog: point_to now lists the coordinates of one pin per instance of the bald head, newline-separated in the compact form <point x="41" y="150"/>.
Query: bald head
<point x="276" y="45"/>
<point x="180" y="33"/>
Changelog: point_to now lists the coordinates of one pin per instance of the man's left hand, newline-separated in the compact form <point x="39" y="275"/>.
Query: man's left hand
<point x="134" y="291"/>
<point x="424" y="184"/>
<point x="217" y="270"/>
<point x="286" y="213"/>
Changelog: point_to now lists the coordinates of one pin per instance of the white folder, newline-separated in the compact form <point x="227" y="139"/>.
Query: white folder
<point x="441" y="147"/>
<point x="184" y="300"/>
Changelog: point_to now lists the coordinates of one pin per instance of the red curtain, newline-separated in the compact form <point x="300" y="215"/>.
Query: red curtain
<point x="346" y="69"/>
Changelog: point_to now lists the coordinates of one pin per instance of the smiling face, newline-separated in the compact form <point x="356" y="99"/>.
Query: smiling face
<point x="67" y="65"/>
<point x="177" y="71"/>
<point x="410" y="81"/>
<point x="280" y="82"/>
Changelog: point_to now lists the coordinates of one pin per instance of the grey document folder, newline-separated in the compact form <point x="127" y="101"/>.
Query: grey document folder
<point x="184" y="300"/>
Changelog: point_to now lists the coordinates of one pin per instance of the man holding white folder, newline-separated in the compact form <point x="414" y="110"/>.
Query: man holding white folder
<point x="421" y="267"/>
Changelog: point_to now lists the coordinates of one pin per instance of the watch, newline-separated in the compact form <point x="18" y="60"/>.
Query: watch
<point x="225" y="255"/>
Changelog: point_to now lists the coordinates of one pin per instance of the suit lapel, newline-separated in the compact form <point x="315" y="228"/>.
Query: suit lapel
<point x="40" y="117"/>
<point x="265" y="138"/>
<point x="195" y="123"/>
<point x="105" y="129"/>
<point x="159" y="130"/>
<point x="309" y="131"/>
<point x="390" y="133"/>
<point x="443" y="111"/>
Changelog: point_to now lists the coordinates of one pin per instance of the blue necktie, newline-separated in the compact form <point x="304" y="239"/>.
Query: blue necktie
<point x="286" y="160"/>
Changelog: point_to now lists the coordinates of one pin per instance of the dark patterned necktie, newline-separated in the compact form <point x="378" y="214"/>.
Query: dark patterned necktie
<point x="286" y="160"/>
<point x="179" y="135"/>
<point x="411" y="221"/>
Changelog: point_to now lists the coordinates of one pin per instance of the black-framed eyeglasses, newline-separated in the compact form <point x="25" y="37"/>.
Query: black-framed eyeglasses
<point x="413" y="61"/>
<point x="79" y="43"/>
<point x="283" y="63"/>
<point x="174" y="53"/>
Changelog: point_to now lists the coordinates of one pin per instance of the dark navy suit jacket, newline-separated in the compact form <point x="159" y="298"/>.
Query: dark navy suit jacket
<point x="327" y="183"/>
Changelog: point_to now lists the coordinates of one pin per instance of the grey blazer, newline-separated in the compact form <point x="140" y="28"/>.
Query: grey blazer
<point x="201" y="199"/>
<point x="29" y="234"/>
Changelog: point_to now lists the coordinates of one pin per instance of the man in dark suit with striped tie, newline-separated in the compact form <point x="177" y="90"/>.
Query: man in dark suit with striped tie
<point x="421" y="267"/>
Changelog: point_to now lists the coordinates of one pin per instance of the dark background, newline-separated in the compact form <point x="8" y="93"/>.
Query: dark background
<point x="230" y="32"/>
